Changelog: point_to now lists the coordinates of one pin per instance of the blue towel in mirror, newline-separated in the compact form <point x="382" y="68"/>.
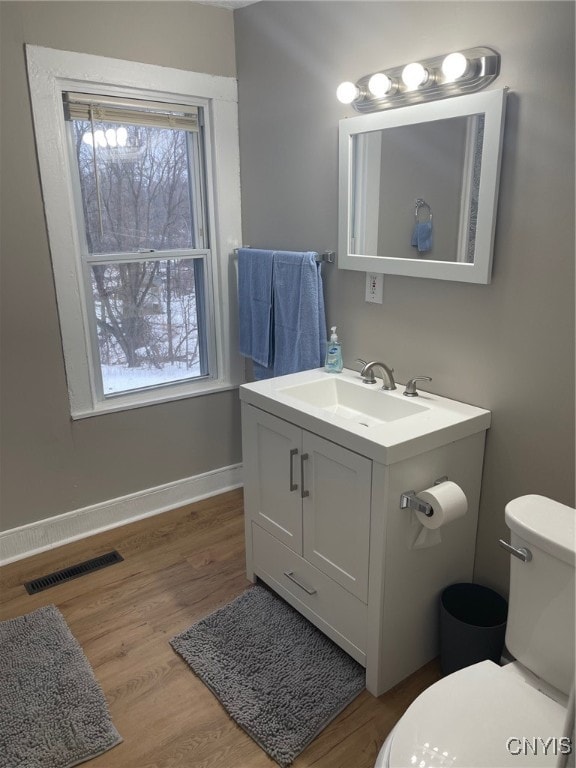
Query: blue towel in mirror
<point x="422" y="236"/>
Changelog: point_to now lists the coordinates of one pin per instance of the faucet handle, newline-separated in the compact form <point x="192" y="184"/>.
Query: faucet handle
<point x="411" y="390"/>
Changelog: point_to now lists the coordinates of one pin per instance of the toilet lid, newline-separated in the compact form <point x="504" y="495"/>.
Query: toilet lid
<point x="479" y="717"/>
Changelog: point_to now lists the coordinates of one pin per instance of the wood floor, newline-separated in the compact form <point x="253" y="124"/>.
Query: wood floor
<point x="178" y="567"/>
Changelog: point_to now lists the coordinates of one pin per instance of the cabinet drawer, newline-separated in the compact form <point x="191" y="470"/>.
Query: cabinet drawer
<point x="336" y="612"/>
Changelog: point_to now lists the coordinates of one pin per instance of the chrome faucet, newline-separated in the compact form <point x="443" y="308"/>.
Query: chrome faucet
<point x="367" y="374"/>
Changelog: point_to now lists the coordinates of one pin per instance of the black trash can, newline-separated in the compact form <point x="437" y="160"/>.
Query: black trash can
<point x="472" y="626"/>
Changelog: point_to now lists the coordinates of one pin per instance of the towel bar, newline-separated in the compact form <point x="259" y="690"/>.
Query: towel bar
<point x="329" y="257"/>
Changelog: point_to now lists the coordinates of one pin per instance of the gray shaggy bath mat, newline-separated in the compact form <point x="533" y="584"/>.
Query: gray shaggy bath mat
<point x="278" y="676"/>
<point x="53" y="713"/>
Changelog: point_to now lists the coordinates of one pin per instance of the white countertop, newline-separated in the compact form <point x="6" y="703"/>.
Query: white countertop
<point x="438" y="420"/>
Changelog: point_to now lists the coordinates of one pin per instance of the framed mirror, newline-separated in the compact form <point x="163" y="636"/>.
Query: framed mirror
<point x="418" y="188"/>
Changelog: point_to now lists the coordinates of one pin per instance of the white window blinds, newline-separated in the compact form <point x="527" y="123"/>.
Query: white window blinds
<point x="109" y="109"/>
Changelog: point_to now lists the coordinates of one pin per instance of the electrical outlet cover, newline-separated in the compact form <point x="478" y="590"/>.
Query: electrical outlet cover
<point x="374" y="287"/>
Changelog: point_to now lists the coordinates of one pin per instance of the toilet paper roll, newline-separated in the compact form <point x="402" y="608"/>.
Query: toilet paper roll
<point x="448" y="502"/>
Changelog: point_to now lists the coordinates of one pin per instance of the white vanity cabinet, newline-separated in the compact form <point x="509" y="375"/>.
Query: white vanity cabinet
<point x="307" y="506"/>
<point x="324" y="524"/>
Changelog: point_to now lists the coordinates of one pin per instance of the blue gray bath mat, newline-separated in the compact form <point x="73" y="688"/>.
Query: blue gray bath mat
<point x="53" y="713"/>
<point x="277" y="676"/>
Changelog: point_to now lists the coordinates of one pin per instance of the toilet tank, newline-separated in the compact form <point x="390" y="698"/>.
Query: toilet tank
<point x="540" y="630"/>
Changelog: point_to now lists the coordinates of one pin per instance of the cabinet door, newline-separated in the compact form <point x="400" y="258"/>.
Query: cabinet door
<point x="336" y="513"/>
<point x="271" y="450"/>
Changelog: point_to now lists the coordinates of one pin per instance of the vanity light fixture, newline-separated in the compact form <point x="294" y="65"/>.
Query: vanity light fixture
<point x="113" y="137"/>
<point x="453" y="74"/>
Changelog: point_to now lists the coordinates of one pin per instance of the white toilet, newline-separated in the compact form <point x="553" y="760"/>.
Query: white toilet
<point x="491" y="716"/>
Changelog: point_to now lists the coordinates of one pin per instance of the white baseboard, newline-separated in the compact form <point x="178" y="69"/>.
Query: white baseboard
<point x="33" y="538"/>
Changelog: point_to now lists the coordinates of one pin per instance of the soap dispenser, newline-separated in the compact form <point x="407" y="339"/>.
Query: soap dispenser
<point x="333" y="362"/>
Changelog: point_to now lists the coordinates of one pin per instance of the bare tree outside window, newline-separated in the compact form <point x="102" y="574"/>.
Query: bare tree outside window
<point x="137" y="191"/>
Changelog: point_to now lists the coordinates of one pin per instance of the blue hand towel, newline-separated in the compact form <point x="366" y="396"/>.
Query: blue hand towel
<point x="422" y="236"/>
<point x="255" y="269"/>
<point x="299" y="322"/>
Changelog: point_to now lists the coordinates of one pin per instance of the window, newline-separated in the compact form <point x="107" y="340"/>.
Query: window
<point x="152" y="216"/>
<point x="139" y="170"/>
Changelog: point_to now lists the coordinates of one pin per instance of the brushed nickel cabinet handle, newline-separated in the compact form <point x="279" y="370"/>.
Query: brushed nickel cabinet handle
<point x="308" y="590"/>
<point x="293" y="485"/>
<point x="303" y="458"/>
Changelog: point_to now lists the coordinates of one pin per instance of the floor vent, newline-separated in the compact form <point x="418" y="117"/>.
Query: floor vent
<point x="73" y="572"/>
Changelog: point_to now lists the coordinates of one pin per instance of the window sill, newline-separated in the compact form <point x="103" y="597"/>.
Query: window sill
<point x="154" y="397"/>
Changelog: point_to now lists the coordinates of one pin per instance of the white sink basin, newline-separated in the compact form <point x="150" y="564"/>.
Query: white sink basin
<point x="367" y="405"/>
<point x="383" y="425"/>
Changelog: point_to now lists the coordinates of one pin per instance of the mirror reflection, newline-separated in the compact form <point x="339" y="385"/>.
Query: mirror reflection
<point x="415" y="190"/>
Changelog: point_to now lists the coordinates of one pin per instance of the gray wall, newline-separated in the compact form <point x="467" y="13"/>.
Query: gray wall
<point x="50" y="464"/>
<point x="508" y="346"/>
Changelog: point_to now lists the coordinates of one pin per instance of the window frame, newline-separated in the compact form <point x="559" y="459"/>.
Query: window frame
<point x="52" y="73"/>
<point x="197" y="179"/>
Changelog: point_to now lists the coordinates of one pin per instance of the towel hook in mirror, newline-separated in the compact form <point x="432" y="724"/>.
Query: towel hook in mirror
<point x="420" y="203"/>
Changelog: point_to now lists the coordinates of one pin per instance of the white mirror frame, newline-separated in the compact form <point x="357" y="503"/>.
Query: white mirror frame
<point x="489" y="103"/>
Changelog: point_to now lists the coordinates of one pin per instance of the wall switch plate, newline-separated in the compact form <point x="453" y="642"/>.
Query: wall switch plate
<point x="374" y="287"/>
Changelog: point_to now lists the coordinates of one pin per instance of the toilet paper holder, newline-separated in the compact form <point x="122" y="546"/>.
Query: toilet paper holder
<point x="409" y="500"/>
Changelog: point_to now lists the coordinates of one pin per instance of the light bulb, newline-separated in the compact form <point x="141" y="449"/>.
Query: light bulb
<point x="111" y="137"/>
<point x="414" y="75"/>
<point x="379" y="85"/>
<point x="347" y="92"/>
<point x="88" y="138"/>
<point x="122" y="136"/>
<point x="100" y="139"/>
<point x="454" y="66"/>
